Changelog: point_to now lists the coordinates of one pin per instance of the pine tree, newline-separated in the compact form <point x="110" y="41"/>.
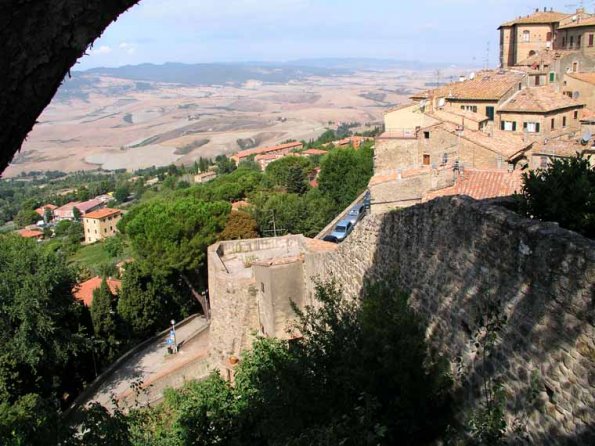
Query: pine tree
<point x="104" y="320"/>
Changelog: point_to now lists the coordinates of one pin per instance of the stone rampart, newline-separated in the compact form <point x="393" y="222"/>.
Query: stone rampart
<point x="455" y="256"/>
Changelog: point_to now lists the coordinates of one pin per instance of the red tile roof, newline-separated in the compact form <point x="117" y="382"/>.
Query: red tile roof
<point x="486" y="85"/>
<point x="588" y="21"/>
<point x="585" y="77"/>
<point x="538" y="17"/>
<point x="538" y="100"/>
<point x="88" y="205"/>
<point x="30" y="233"/>
<point x="102" y="213"/>
<point x="482" y="184"/>
<point x="262" y="150"/>
<point x="84" y="291"/>
<point x="41" y="210"/>
<point x="239" y="205"/>
<point x="314" y="152"/>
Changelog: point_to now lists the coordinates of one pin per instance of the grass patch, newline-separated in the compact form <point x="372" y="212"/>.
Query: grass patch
<point x="94" y="257"/>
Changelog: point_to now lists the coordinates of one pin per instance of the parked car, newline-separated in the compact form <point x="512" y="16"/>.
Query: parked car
<point x="342" y="230"/>
<point x="330" y="238"/>
<point x="367" y="200"/>
<point x="356" y="213"/>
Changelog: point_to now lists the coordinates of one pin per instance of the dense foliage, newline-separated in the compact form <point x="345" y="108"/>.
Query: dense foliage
<point x="359" y="375"/>
<point x="564" y="193"/>
<point x="44" y="341"/>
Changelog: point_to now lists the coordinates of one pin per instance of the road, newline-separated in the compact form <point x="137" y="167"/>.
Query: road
<point x="151" y="367"/>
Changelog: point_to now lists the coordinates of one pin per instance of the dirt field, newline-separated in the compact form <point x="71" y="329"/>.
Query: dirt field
<point x="144" y="128"/>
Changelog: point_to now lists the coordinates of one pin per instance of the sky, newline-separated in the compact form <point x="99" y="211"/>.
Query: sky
<point x="201" y="31"/>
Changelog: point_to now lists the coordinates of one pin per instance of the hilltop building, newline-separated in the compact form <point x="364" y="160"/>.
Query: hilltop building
<point x="101" y="224"/>
<point x="280" y="149"/>
<point x="66" y="212"/>
<point x="472" y="136"/>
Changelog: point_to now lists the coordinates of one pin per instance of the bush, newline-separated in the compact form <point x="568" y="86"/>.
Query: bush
<point x="564" y="193"/>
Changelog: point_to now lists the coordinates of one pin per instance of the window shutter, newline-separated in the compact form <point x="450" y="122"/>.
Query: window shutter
<point x="501" y="125"/>
<point x="537" y="127"/>
<point x="524" y="125"/>
<point x="514" y="126"/>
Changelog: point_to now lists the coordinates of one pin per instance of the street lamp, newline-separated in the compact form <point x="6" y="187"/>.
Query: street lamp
<point x="172" y="335"/>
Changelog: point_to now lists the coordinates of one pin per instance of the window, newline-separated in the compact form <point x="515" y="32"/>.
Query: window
<point x="563" y="41"/>
<point x="548" y="37"/>
<point x="571" y="41"/>
<point x="490" y="113"/>
<point x="537" y="80"/>
<point x="578" y="42"/>
<point x="543" y="162"/>
<point x="471" y="108"/>
<point x="509" y="126"/>
<point x="575" y="115"/>
<point x="426" y="135"/>
<point x="262" y="287"/>
<point x="574" y="67"/>
<point x="591" y="40"/>
<point x="526" y="36"/>
<point x="553" y="126"/>
<point x="552" y="76"/>
<point x="531" y="127"/>
<point x="563" y="121"/>
<point x="426" y="159"/>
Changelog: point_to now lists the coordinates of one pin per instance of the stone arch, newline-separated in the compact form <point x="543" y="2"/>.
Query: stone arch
<point x="41" y="41"/>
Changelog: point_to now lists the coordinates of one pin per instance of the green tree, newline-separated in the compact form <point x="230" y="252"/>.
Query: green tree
<point x="224" y="165"/>
<point x="172" y="237"/>
<point x="240" y="225"/>
<point x="82" y="194"/>
<point x="121" y="193"/>
<point x="26" y="217"/>
<point x="48" y="215"/>
<point x="76" y="214"/>
<point x="104" y="320"/>
<point x="140" y="305"/>
<point x="43" y="342"/>
<point x="289" y="172"/>
<point x="564" y="193"/>
<point x="345" y="174"/>
<point x="114" y="245"/>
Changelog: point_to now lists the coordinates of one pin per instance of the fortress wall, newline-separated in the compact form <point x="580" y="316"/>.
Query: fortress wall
<point x="456" y="255"/>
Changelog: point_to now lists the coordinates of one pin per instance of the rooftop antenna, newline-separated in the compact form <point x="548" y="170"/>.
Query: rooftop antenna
<point x="487" y="61"/>
<point x="438" y="74"/>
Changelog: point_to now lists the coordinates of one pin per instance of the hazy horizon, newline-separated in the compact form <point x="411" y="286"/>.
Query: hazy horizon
<point x="247" y="31"/>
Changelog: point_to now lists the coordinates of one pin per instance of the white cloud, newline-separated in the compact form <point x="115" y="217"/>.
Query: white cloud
<point x="129" y="48"/>
<point x="103" y="49"/>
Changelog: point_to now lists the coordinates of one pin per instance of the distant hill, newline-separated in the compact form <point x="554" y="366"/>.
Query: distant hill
<point x="215" y="73"/>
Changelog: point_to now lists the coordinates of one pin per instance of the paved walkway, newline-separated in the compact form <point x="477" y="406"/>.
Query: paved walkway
<point x="147" y="368"/>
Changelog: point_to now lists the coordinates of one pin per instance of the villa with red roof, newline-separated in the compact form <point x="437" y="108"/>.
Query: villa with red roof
<point x="101" y="224"/>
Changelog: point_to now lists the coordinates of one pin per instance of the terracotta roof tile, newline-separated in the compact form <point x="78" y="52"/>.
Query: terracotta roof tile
<point x="589" y="21"/>
<point x="538" y="17"/>
<point x="41" y="209"/>
<point x="546" y="57"/>
<point x="503" y="143"/>
<point x="102" y="213"/>
<point x="482" y="184"/>
<point x="538" y="100"/>
<point x="487" y="85"/>
<point x="585" y="77"/>
<point x="30" y="233"/>
<point x="263" y="150"/>
<point x="86" y="206"/>
<point x="314" y="152"/>
<point x="84" y="291"/>
<point x="558" y="148"/>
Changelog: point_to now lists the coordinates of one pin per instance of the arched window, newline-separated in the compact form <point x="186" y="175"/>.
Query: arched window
<point x="526" y="36"/>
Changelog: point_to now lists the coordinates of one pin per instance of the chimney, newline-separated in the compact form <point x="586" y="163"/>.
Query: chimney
<point x="544" y="9"/>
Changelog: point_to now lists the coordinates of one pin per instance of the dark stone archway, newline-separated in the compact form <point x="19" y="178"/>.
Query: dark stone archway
<point x="40" y="41"/>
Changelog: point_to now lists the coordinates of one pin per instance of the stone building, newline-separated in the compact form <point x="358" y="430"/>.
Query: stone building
<point x="101" y="224"/>
<point x="540" y="112"/>
<point x="253" y="284"/>
<point x="582" y="87"/>
<point x="281" y="149"/>
<point x="525" y="36"/>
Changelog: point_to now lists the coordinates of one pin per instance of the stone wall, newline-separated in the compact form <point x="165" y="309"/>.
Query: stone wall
<point x="454" y="255"/>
